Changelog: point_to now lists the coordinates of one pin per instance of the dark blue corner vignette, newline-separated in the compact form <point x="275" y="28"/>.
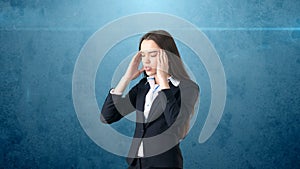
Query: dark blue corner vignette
<point x="258" y="42"/>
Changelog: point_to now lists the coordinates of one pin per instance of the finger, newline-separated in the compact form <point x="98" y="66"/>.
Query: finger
<point x="159" y="60"/>
<point x="161" y="56"/>
<point x="165" y="64"/>
<point x="142" y="69"/>
<point x="161" y="53"/>
<point x="165" y="57"/>
<point x="136" y="58"/>
<point x="138" y="54"/>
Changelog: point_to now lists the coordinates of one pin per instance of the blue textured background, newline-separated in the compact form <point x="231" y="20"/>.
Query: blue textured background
<point x="259" y="45"/>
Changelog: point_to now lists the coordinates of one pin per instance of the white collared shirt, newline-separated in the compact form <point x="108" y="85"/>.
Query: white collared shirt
<point x="151" y="95"/>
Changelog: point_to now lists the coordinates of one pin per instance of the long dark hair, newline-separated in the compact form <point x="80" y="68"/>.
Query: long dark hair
<point x="176" y="67"/>
<point x="166" y="42"/>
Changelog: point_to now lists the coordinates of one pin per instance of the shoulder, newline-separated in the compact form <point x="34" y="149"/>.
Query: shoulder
<point x="189" y="84"/>
<point x="189" y="90"/>
<point x="141" y="84"/>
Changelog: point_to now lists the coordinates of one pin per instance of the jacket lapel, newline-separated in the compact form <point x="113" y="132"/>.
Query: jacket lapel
<point x="157" y="107"/>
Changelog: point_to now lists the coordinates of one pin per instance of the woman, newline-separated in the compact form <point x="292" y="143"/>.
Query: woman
<point x="164" y="101"/>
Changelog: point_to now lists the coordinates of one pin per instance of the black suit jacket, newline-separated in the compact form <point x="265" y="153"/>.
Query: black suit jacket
<point x="161" y="133"/>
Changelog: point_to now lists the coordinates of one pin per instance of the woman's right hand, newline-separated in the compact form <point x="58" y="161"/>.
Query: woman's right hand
<point x="133" y="70"/>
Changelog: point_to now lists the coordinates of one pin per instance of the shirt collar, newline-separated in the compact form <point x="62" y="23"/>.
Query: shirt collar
<point x="175" y="82"/>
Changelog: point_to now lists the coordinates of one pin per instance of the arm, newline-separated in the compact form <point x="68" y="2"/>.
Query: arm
<point x="115" y="107"/>
<point x="180" y="107"/>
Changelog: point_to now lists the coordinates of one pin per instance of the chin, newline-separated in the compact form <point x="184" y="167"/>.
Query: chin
<point x="150" y="73"/>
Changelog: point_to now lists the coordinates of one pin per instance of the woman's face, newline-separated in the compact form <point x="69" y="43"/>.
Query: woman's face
<point x="149" y="54"/>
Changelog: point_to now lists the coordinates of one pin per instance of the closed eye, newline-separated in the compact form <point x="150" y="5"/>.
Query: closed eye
<point x="153" y="54"/>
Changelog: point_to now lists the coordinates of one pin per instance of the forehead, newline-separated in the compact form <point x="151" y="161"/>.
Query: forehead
<point x="149" y="45"/>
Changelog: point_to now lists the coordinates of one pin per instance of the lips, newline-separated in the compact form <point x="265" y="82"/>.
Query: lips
<point x="147" y="68"/>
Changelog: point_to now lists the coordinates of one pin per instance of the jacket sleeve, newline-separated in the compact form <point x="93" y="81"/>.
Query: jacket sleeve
<point x="116" y="107"/>
<point x="180" y="108"/>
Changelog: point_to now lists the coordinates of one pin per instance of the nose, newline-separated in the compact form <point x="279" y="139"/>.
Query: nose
<point x="146" y="59"/>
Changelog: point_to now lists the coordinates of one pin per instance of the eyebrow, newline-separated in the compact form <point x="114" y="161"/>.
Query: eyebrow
<point x="155" y="51"/>
<point x="149" y="51"/>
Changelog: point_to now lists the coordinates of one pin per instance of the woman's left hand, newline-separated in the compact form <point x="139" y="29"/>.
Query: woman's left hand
<point x="162" y="70"/>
